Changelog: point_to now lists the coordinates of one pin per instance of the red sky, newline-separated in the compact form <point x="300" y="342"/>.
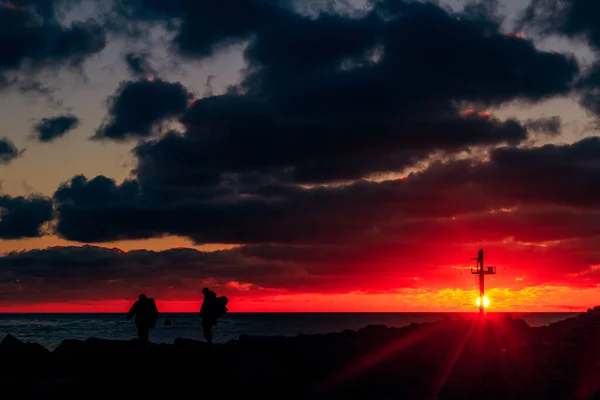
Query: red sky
<point x="318" y="159"/>
<point x="538" y="299"/>
<point x="530" y="277"/>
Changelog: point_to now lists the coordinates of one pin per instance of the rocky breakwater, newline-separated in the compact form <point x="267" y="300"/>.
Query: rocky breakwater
<point x="499" y="358"/>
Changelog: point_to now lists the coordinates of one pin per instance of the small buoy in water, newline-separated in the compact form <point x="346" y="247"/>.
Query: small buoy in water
<point x="169" y="322"/>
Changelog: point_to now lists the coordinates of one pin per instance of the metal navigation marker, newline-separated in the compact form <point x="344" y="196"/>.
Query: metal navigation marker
<point x="482" y="271"/>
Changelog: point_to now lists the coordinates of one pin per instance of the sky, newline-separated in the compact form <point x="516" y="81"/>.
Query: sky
<point x="314" y="155"/>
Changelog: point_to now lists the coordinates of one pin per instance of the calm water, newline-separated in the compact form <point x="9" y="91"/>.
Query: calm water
<point x="50" y="329"/>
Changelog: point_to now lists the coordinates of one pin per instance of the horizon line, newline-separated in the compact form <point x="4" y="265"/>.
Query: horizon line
<point x="305" y="312"/>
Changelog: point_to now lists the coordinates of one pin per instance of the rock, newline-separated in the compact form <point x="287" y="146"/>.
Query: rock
<point x="520" y="326"/>
<point x="189" y="345"/>
<point x="70" y="346"/>
<point x="458" y="358"/>
<point x="11" y="344"/>
<point x="20" y="358"/>
<point x="50" y="385"/>
<point x="119" y="346"/>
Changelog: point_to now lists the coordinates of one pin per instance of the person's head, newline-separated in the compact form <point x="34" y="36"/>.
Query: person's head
<point x="142" y="297"/>
<point x="205" y="291"/>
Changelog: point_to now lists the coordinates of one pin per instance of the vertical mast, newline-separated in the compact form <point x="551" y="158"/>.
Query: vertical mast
<point x="481" y="281"/>
<point x="481" y="270"/>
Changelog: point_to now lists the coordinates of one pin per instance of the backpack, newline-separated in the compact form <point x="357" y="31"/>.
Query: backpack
<point x="221" y="306"/>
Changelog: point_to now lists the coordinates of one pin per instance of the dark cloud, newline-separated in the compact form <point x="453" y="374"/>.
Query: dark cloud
<point x="237" y="134"/>
<point x="138" y="106"/>
<point x="138" y="65"/>
<point x="551" y="126"/>
<point x="238" y="212"/>
<point x="8" y="151"/>
<point x="338" y="97"/>
<point x="32" y="39"/>
<point x="96" y="273"/>
<point x="576" y="19"/>
<point x="589" y="89"/>
<point x="555" y="174"/>
<point x="45" y="9"/>
<point x="50" y="129"/>
<point x="353" y="98"/>
<point x="201" y="27"/>
<point x="487" y="64"/>
<point x="24" y="217"/>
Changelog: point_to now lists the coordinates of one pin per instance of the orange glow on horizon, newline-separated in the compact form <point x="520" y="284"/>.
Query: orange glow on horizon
<point x="531" y="299"/>
<point x="519" y="287"/>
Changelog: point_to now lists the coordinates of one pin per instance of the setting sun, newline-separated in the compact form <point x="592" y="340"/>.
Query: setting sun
<point x="486" y="301"/>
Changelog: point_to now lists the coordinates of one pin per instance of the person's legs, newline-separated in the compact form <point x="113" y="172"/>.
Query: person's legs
<point x="207" y="331"/>
<point x="143" y="334"/>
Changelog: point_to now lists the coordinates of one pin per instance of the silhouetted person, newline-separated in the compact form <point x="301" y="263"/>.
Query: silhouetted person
<point x="207" y="313"/>
<point x="146" y="314"/>
<point x="213" y="308"/>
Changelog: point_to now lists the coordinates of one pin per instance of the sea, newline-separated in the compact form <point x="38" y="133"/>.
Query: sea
<point x="50" y="330"/>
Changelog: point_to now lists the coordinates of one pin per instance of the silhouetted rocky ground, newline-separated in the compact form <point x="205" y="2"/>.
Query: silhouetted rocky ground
<point x="500" y="358"/>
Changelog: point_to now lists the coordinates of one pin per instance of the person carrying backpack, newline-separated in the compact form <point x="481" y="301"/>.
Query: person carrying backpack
<point x="146" y="314"/>
<point x="212" y="309"/>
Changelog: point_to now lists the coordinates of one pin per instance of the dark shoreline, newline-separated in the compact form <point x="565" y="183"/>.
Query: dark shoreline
<point x="457" y="358"/>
